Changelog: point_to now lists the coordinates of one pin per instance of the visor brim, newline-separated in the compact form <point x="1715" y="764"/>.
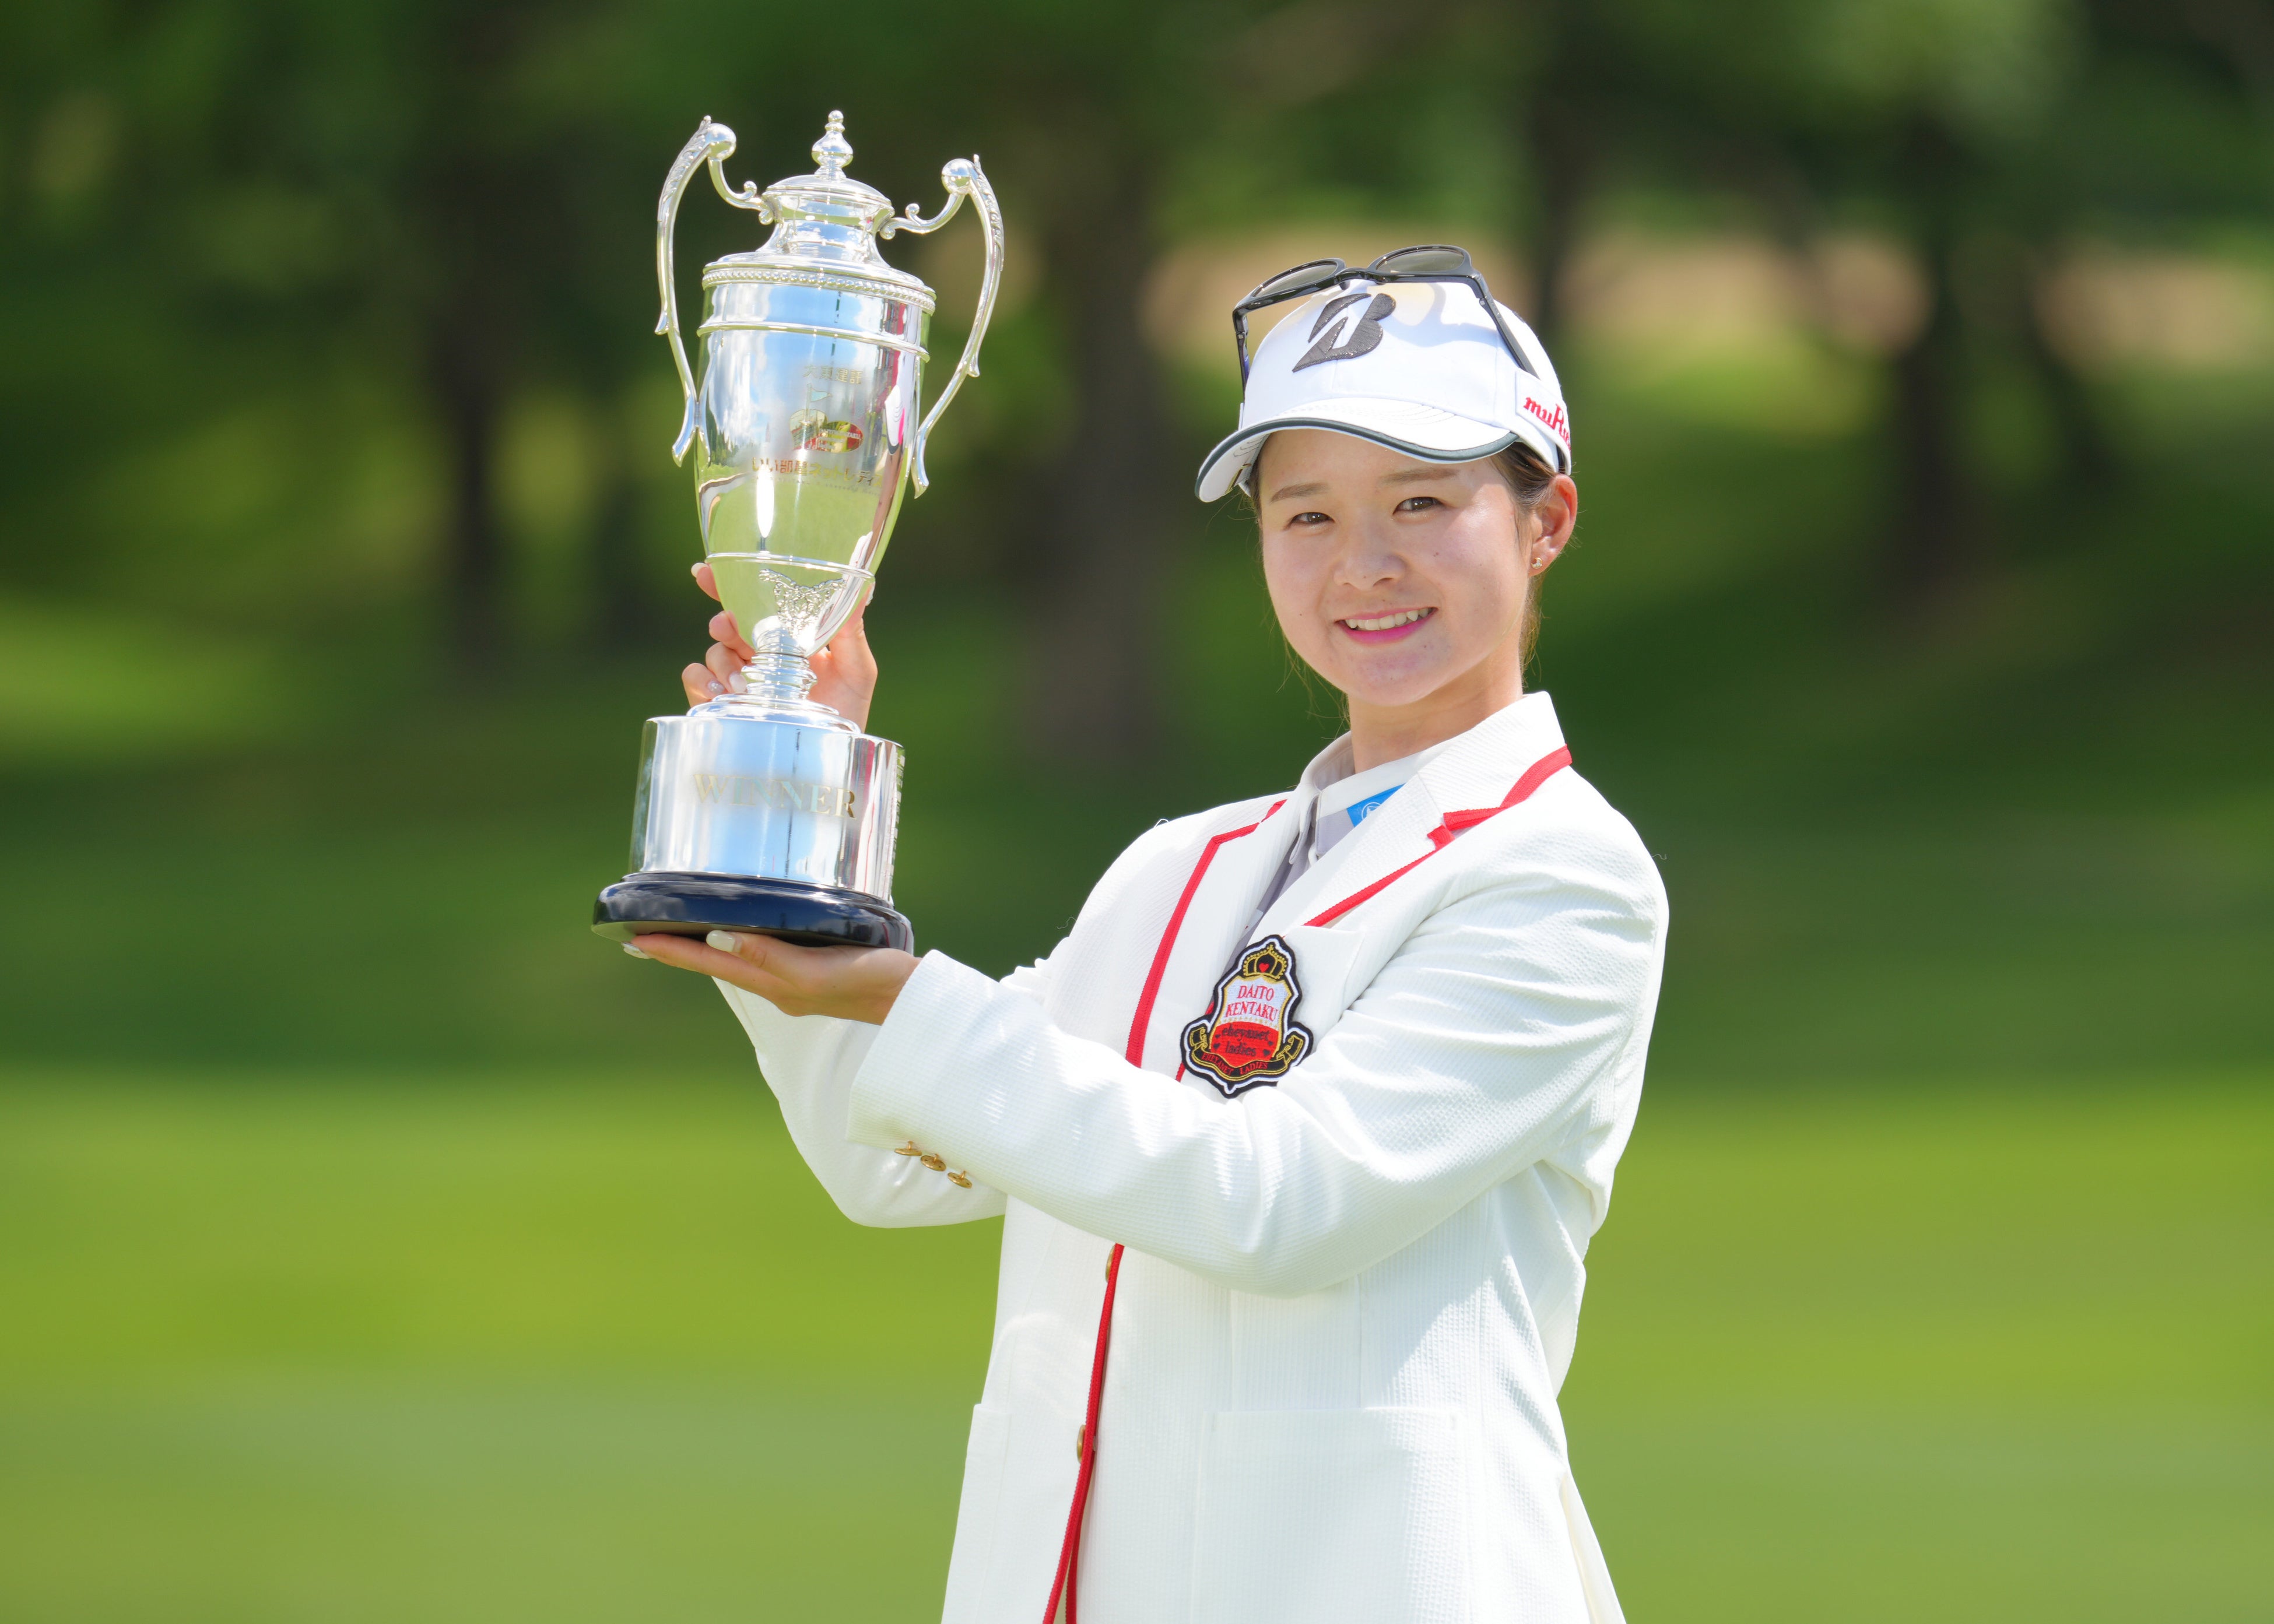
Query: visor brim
<point x="1426" y="433"/>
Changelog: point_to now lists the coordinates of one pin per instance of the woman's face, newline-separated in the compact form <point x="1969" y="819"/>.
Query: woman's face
<point x="1402" y="582"/>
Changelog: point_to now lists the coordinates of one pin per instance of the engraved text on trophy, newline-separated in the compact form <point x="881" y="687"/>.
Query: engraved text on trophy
<point x="780" y="794"/>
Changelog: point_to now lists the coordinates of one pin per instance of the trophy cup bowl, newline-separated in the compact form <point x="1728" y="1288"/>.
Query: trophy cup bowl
<point x="762" y="811"/>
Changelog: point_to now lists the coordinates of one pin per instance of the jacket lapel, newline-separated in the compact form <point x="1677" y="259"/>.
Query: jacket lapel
<point x="1225" y="881"/>
<point x="1231" y="870"/>
<point x="1476" y="774"/>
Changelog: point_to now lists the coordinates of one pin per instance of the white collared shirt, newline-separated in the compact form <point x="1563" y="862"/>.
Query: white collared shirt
<point x="1345" y="799"/>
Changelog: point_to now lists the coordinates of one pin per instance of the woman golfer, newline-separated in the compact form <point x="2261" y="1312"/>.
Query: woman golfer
<point x="1300" y="1136"/>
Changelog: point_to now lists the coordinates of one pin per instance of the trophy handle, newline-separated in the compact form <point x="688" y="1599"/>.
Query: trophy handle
<point x="711" y="143"/>
<point x="963" y="177"/>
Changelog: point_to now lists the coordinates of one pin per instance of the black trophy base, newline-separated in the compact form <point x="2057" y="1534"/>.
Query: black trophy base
<point x="693" y="905"/>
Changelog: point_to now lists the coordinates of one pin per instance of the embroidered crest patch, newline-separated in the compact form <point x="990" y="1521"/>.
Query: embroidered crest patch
<point x="1249" y="1034"/>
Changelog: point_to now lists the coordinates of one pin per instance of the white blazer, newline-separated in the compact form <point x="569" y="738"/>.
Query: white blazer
<point x="1351" y="1290"/>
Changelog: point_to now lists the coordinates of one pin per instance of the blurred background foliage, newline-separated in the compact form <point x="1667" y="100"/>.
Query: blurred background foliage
<point x="378" y="1244"/>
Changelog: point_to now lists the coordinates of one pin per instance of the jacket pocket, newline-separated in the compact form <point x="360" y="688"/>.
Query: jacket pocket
<point x="1355" y="1516"/>
<point x="976" y="1517"/>
<point x="1018" y="1481"/>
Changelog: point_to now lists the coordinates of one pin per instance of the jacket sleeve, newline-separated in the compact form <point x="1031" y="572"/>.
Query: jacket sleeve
<point x="808" y="1061"/>
<point x="1496" y="1036"/>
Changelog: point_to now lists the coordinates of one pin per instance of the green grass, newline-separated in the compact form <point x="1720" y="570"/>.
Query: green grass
<point x="322" y="1348"/>
<point x="1934" y="1352"/>
<point x="393" y="1348"/>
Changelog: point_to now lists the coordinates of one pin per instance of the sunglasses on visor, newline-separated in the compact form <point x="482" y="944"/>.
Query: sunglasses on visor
<point x="1432" y="263"/>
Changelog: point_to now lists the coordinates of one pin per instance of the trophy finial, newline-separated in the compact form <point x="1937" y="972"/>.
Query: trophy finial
<point x="832" y="152"/>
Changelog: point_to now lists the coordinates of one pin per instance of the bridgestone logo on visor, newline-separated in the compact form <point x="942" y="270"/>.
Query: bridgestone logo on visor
<point x="1365" y="337"/>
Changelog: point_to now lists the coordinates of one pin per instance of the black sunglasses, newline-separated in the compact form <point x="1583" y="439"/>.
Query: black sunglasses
<point x="1432" y="263"/>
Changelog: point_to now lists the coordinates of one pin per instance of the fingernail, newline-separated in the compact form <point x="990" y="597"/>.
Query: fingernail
<point x="717" y="688"/>
<point x="724" y="941"/>
<point x="694" y="569"/>
<point x="737" y="684"/>
<point x="634" y="952"/>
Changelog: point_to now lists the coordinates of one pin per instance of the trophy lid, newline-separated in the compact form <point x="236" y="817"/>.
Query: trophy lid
<point x="825" y="223"/>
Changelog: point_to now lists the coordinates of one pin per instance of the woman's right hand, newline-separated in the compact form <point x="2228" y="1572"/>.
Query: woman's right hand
<point x="844" y="672"/>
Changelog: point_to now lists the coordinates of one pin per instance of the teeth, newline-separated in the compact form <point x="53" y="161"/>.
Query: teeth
<point x="1383" y="622"/>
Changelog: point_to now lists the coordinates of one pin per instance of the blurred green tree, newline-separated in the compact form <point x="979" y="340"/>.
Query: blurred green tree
<point x="1085" y="113"/>
<point x="269" y="257"/>
<point x="385" y="190"/>
<point x="1986" y="137"/>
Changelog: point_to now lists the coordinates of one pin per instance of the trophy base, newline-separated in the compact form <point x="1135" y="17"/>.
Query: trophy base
<point x="692" y="905"/>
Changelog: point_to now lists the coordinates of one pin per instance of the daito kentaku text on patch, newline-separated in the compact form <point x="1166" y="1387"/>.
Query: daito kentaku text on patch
<point x="1250" y="1034"/>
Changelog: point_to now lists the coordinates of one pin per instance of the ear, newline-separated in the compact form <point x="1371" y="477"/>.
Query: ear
<point x="1557" y="513"/>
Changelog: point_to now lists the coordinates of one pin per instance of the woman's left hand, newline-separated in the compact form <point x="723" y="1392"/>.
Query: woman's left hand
<point x="852" y="983"/>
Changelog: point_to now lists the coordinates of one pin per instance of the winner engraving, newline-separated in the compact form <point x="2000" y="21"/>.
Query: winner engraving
<point x="781" y="794"/>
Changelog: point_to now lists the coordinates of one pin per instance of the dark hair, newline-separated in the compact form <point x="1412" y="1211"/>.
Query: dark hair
<point x="1520" y="465"/>
<point x="1529" y="477"/>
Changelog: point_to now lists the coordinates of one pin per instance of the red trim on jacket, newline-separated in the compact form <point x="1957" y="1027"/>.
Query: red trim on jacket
<point x="1067" y="1583"/>
<point x="1134" y="1053"/>
<point x="1453" y="824"/>
<point x="1068" y="1578"/>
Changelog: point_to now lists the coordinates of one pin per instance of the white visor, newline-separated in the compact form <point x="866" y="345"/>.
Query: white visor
<point x="1415" y="366"/>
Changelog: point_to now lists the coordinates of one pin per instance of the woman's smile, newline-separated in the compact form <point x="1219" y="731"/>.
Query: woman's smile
<point x="1385" y="626"/>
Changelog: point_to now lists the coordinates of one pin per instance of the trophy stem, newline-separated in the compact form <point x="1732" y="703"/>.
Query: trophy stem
<point x="775" y="685"/>
<point x="779" y="676"/>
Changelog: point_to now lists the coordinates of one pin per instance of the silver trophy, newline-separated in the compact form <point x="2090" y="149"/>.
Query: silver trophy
<point x="762" y="811"/>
